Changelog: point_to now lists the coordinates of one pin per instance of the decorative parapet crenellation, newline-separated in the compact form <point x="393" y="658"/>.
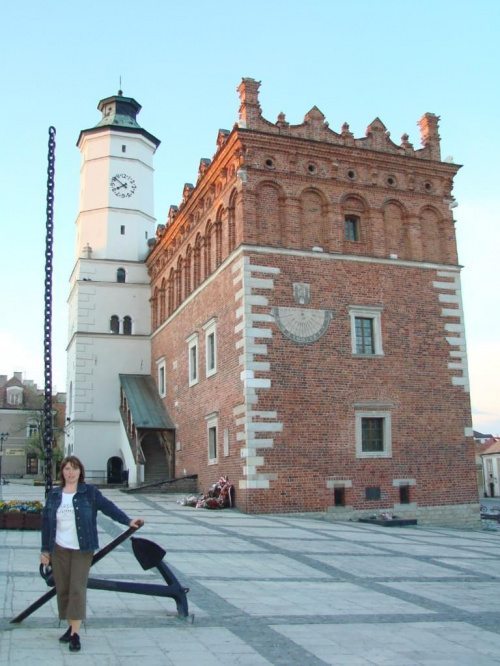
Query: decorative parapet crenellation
<point x="316" y="127"/>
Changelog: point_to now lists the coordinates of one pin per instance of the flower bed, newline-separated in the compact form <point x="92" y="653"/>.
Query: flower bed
<point x="19" y="515"/>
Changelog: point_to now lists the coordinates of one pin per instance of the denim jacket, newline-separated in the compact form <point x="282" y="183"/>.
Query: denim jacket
<point x="87" y="501"/>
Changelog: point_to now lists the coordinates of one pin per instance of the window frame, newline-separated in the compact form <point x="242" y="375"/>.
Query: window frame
<point x="354" y="222"/>
<point x="161" y="368"/>
<point x="210" y="329"/>
<point x="386" y="434"/>
<point x="14" y="396"/>
<point x="32" y="428"/>
<point x="367" y="312"/>
<point x="30" y="459"/>
<point x="127" y="325"/>
<point x="213" y="427"/>
<point x="193" y="368"/>
<point x="114" y="319"/>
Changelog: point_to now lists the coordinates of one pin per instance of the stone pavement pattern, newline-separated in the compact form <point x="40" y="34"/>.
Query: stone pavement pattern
<point x="268" y="591"/>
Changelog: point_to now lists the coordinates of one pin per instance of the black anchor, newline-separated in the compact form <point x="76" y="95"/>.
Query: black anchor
<point x="148" y="554"/>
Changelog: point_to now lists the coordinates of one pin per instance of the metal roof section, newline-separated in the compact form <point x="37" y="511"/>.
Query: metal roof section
<point x="146" y="407"/>
<point x="120" y="112"/>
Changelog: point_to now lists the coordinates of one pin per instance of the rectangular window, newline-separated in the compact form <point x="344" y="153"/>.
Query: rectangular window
<point x="32" y="429"/>
<point x="122" y="230"/>
<point x="210" y="329"/>
<point x="124" y="149"/>
<point x="372" y="492"/>
<point x="366" y="330"/>
<point x="212" y="443"/>
<point x="339" y="496"/>
<point x="31" y="464"/>
<point x="351" y="227"/>
<point x="193" y="359"/>
<point x="364" y="335"/>
<point x="162" y="376"/>
<point x="373" y="434"/>
<point x="210" y="353"/>
<point x="404" y="494"/>
<point x="212" y="437"/>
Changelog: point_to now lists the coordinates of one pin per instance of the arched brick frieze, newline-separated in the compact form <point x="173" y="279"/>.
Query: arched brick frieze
<point x="187" y="271"/>
<point x="313" y="219"/>
<point x="207" y="250"/>
<point x="397" y="238"/>
<point x="431" y="231"/>
<point x="270" y="201"/>
<point x="163" y="292"/>
<point x="170" y="292"/>
<point x="231" y="222"/>
<point x="154" y="309"/>
<point x="178" y="282"/>
<point x="355" y="221"/>
<point x="197" y="261"/>
<point x="218" y="236"/>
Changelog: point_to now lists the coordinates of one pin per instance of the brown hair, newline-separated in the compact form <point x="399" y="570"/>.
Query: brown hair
<point x="74" y="462"/>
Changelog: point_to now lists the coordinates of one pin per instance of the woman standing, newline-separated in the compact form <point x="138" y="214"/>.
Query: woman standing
<point x="69" y="539"/>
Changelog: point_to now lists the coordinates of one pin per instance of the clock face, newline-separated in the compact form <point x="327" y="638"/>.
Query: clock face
<point x="122" y="185"/>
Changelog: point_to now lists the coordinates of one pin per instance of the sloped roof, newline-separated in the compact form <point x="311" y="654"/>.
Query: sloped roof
<point x="494" y="446"/>
<point x="147" y="410"/>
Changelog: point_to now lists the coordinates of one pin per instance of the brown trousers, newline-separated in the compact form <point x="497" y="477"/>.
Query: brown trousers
<point x="71" y="571"/>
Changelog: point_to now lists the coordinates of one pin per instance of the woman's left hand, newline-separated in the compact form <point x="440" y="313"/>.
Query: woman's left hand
<point x="138" y="522"/>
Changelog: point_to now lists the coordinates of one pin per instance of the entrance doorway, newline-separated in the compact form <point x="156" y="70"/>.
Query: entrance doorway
<point x="115" y="470"/>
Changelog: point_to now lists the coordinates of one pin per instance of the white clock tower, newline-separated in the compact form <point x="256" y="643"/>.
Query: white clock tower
<point x="109" y="311"/>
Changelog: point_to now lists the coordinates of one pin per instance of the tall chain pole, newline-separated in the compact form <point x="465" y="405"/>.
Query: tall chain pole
<point x="48" y="434"/>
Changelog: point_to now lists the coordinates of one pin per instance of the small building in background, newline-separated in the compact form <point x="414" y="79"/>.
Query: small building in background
<point x="21" y="423"/>
<point x="490" y="458"/>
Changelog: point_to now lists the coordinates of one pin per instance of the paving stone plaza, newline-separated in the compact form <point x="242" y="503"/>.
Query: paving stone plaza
<point x="267" y="591"/>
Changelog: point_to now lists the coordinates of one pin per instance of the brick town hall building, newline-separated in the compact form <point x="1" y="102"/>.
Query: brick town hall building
<point x="296" y="324"/>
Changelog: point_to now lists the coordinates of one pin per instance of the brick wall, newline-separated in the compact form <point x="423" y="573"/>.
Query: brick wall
<point x="267" y="213"/>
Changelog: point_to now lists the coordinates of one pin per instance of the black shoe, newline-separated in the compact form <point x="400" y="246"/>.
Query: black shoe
<point x="65" y="638"/>
<point x="74" y="643"/>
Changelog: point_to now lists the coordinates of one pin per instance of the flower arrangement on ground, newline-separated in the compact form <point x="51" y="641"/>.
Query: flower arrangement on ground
<point x="220" y="496"/>
<point x="19" y="506"/>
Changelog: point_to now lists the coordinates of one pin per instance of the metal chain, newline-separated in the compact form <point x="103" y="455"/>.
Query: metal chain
<point x="48" y="434"/>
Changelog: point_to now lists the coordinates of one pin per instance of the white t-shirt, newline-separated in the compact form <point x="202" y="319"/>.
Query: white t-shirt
<point x="66" y="535"/>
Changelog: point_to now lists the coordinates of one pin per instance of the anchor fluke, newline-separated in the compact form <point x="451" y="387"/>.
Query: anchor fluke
<point x="147" y="553"/>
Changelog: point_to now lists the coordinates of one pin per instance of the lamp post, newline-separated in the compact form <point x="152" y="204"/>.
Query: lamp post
<point x="3" y="437"/>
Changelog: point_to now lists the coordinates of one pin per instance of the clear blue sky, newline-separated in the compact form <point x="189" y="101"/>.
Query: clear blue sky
<point x="183" y="62"/>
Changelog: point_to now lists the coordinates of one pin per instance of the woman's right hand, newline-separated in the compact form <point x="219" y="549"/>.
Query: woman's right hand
<point x="45" y="559"/>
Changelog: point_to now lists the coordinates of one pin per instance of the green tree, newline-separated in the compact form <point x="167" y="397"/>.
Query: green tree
<point x="37" y="445"/>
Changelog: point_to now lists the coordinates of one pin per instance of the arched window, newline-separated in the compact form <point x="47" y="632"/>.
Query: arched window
<point x="114" y="324"/>
<point x="127" y="325"/>
<point x="120" y="275"/>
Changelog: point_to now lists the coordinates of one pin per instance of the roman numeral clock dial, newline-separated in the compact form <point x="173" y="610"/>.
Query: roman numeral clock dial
<point x="123" y="185"/>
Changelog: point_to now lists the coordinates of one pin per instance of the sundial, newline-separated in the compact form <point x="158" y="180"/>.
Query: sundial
<point x="302" y="325"/>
